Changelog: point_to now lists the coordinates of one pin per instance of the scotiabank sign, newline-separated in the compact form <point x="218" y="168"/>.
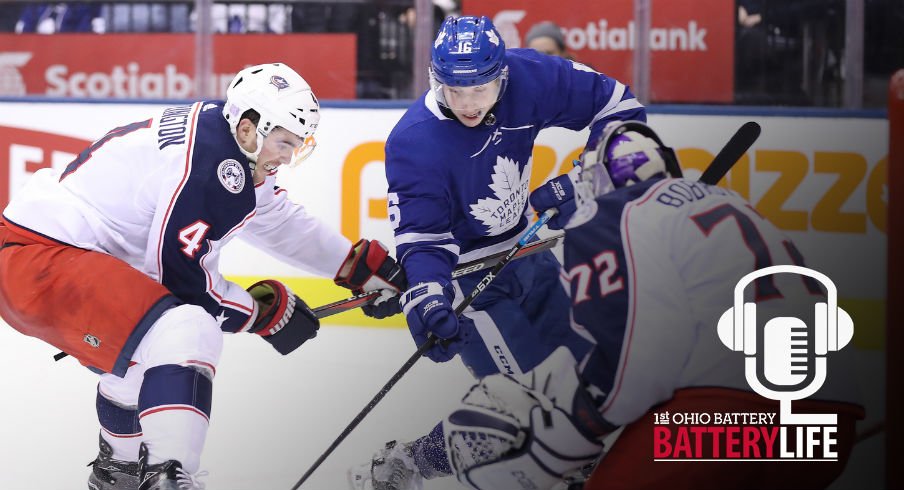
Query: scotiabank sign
<point x="691" y="41"/>
<point x="162" y="65"/>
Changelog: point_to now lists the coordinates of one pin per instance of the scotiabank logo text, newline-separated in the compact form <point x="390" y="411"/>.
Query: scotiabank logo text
<point x="601" y="36"/>
<point x="123" y="81"/>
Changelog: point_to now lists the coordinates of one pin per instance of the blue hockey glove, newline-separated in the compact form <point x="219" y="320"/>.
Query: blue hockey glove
<point x="557" y="193"/>
<point x="428" y="309"/>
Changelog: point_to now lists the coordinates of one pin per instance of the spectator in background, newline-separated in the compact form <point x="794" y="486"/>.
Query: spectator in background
<point x="49" y="18"/>
<point x="751" y="48"/>
<point x="9" y="16"/>
<point x="240" y="18"/>
<point x="546" y="37"/>
<point x="147" y="17"/>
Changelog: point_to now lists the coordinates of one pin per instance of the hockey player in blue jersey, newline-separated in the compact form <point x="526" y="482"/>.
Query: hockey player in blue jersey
<point x="652" y="260"/>
<point x="114" y="260"/>
<point x="458" y="165"/>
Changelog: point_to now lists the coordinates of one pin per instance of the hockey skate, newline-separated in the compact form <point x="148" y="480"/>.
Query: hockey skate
<point x="168" y="475"/>
<point x="112" y="474"/>
<point x="392" y="468"/>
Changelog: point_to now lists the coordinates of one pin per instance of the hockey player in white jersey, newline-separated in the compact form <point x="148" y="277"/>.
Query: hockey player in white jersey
<point x="652" y="263"/>
<point x="114" y="260"/>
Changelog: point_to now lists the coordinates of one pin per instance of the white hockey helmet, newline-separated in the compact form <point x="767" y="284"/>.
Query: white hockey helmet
<point x="627" y="153"/>
<point x="281" y="97"/>
<point x="631" y="152"/>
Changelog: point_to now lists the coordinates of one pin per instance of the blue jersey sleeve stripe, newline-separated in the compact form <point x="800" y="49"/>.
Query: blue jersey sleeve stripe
<point x="453" y="249"/>
<point x="450" y="248"/>
<point x="406" y="238"/>
<point x="617" y="92"/>
<point x="479" y="253"/>
<point x="624" y="106"/>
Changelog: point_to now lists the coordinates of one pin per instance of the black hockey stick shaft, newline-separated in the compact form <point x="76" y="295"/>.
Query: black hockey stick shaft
<point x="736" y="147"/>
<point x="431" y="341"/>
<point x="466" y="268"/>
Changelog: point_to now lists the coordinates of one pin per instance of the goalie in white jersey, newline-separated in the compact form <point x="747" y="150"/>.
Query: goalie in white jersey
<point x="652" y="262"/>
<point x="114" y="260"/>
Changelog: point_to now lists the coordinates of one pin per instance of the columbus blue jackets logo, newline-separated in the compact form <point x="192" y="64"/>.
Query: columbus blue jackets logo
<point x="279" y="82"/>
<point x="231" y="175"/>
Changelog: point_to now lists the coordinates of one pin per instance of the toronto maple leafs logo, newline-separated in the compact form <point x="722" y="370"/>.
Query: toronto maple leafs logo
<point x="501" y="211"/>
<point x="493" y="38"/>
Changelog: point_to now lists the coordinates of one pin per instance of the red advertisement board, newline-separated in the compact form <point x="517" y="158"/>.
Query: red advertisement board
<point x="691" y="42"/>
<point x="162" y="65"/>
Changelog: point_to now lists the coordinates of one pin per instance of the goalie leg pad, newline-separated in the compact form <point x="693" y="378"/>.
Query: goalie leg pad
<point x="488" y="452"/>
<point x="392" y="468"/>
<point x="512" y="435"/>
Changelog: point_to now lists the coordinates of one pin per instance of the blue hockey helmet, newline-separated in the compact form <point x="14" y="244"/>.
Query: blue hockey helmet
<point x="468" y="52"/>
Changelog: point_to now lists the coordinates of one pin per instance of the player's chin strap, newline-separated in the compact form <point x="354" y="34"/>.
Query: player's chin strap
<point x="252" y="156"/>
<point x="526" y="432"/>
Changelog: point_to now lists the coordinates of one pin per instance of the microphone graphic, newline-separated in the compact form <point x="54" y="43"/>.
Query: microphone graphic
<point x="790" y="367"/>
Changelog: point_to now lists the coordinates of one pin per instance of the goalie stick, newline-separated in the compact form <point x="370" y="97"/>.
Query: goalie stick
<point x="431" y="340"/>
<point x="736" y="147"/>
<point x="466" y="268"/>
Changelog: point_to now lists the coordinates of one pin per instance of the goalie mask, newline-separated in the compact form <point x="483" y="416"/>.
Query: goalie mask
<point x="628" y="152"/>
<point x="282" y="98"/>
<point x="632" y="152"/>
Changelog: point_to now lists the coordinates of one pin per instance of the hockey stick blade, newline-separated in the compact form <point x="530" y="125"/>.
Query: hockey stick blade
<point x="431" y="340"/>
<point x="736" y="147"/>
<point x="466" y="268"/>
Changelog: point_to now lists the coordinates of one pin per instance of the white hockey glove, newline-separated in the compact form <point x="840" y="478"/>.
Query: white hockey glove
<point x="531" y="434"/>
<point x="369" y="267"/>
<point x="284" y="320"/>
<point x="392" y="468"/>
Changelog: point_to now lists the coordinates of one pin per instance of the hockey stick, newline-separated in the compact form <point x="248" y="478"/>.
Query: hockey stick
<point x="466" y="268"/>
<point x="431" y="341"/>
<point x="721" y="164"/>
<point x="736" y="147"/>
<point x="733" y="150"/>
<point x="369" y="297"/>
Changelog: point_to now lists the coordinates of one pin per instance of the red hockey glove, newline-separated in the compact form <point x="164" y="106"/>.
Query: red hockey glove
<point x="369" y="267"/>
<point x="285" y="321"/>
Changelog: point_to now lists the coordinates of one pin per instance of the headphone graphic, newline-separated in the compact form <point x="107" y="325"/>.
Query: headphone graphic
<point x="834" y="329"/>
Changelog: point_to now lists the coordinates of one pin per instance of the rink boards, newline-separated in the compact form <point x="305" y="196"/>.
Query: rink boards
<point x="818" y="176"/>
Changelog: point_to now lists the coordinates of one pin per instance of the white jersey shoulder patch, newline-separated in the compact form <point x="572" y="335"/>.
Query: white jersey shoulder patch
<point x="231" y="175"/>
